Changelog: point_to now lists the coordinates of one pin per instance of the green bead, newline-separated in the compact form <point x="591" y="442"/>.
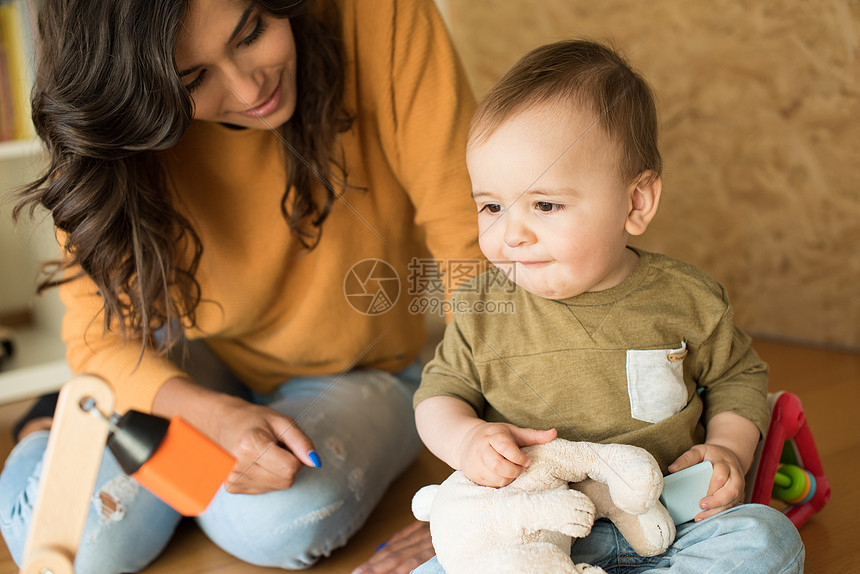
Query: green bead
<point x="797" y="482"/>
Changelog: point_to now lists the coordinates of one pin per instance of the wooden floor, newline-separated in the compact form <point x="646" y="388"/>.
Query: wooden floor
<point x="828" y="383"/>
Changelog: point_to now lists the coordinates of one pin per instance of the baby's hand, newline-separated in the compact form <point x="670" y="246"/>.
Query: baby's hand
<point x="726" y="488"/>
<point x="491" y="455"/>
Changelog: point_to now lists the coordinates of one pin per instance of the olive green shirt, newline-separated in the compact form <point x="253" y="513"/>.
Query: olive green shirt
<point x="647" y="362"/>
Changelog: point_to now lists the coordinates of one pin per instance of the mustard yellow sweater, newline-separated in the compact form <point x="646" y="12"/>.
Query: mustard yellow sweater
<point x="270" y="310"/>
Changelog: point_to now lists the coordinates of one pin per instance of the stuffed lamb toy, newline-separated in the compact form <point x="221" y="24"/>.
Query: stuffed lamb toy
<point x="528" y="525"/>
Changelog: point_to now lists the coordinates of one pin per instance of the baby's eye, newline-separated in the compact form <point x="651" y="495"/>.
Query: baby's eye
<point x="548" y="207"/>
<point x="491" y="208"/>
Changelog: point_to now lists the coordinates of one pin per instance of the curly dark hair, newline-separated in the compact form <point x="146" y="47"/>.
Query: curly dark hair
<point x="106" y="99"/>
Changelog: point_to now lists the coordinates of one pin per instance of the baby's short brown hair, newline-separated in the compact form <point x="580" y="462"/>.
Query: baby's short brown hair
<point x="580" y="72"/>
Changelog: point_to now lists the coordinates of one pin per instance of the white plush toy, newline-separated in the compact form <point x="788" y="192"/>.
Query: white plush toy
<point x="528" y="525"/>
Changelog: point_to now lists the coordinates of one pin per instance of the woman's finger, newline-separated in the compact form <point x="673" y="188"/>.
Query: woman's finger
<point x="402" y="553"/>
<point x="294" y="438"/>
<point x="251" y="477"/>
<point x="416" y="528"/>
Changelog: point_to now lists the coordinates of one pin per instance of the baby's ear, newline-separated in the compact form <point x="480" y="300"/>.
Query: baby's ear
<point x="644" y="198"/>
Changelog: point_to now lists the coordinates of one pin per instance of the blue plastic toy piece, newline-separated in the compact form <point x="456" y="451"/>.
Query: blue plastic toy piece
<point x="683" y="490"/>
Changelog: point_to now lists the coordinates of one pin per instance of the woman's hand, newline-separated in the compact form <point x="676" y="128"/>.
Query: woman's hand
<point x="269" y="447"/>
<point x="404" y="552"/>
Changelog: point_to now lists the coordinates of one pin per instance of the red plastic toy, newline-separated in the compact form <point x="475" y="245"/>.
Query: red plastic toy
<point x="802" y="483"/>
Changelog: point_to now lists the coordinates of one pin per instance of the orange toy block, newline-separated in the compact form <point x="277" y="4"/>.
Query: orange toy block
<point x="186" y="470"/>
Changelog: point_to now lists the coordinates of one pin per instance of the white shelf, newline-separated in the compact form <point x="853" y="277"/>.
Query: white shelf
<point x="38" y="362"/>
<point x="38" y="365"/>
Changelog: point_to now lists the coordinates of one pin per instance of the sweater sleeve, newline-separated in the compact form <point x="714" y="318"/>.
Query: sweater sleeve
<point x="432" y="105"/>
<point x="732" y="377"/>
<point x="452" y="371"/>
<point x="135" y="373"/>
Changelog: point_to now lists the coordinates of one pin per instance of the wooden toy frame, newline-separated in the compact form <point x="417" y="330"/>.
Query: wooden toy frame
<point x="72" y="460"/>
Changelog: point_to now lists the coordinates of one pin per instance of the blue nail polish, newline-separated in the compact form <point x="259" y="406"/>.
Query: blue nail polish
<point x="315" y="459"/>
<point x="380" y="547"/>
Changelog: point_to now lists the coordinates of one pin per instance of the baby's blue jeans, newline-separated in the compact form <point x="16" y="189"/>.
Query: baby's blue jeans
<point x="363" y="428"/>
<point x="748" y="539"/>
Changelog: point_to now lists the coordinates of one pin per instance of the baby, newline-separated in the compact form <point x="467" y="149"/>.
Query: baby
<point x="606" y="343"/>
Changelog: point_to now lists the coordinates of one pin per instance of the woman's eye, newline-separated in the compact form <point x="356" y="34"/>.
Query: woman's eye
<point x="491" y="208"/>
<point x="258" y="31"/>
<point x="547" y="207"/>
<point x="197" y="81"/>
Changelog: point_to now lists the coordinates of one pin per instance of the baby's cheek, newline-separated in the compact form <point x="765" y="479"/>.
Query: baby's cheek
<point x="488" y="243"/>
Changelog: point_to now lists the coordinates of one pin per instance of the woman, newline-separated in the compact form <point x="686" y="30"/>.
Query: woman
<point x="258" y="176"/>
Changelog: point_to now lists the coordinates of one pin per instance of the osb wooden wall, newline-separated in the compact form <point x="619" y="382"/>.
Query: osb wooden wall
<point x="760" y="107"/>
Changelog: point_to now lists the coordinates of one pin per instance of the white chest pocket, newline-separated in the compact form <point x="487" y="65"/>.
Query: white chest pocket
<point x="655" y="383"/>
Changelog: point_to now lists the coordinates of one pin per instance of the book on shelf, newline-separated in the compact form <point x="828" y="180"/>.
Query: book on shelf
<point x="17" y="30"/>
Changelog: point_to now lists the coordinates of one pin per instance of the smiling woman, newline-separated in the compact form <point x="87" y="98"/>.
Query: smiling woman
<point x="198" y="150"/>
<point x="239" y="63"/>
<point x="88" y="109"/>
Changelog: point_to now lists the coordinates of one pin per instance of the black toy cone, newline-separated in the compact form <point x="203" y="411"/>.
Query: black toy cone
<point x="136" y="438"/>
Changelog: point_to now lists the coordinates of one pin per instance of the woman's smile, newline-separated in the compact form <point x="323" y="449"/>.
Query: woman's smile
<point x="267" y="107"/>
